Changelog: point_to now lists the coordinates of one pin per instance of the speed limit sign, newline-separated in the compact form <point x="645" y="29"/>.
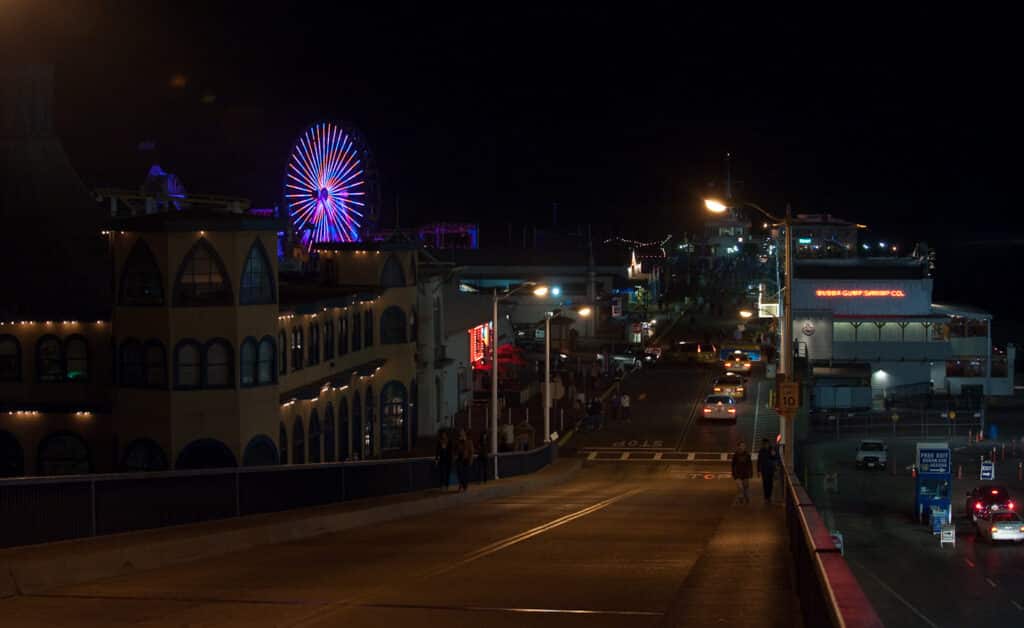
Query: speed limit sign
<point x="788" y="397"/>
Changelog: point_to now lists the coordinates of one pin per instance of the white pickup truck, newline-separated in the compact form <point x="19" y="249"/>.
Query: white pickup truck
<point x="872" y="454"/>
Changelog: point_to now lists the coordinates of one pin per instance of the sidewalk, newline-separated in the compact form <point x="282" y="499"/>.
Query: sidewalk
<point x="743" y="577"/>
<point x="35" y="568"/>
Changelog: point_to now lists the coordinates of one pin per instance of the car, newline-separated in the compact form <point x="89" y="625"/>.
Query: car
<point x="651" y="355"/>
<point x="692" y="352"/>
<point x="731" y="384"/>
<point x="628" y="358"/>
<point x="719" y="407"/>
<point x="872" y="454"/>
<point x="1000" y="525"/>
<point x="988" y="498"/>
<point x="739" y="362"/>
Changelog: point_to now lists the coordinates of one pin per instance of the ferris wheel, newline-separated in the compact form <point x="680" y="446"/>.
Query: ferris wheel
<point x="330" y="186"/>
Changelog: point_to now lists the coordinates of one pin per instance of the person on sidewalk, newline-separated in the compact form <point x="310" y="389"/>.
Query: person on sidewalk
<point x="443" y="459"/>
<point x="463" y="452"/>
<point x="767" y="461"/>
<point x="482" y="458"/>
<point x="742" y="469"/>
<point x="624" y="407"/>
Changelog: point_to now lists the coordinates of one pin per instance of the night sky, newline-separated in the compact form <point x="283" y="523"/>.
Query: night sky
<point x="620" y="115"/>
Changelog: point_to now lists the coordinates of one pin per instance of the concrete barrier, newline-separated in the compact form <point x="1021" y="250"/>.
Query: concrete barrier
<point x="37" y="568"/>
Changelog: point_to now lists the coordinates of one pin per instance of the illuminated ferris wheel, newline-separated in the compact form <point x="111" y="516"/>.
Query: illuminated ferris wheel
<point x="330" y="186"/>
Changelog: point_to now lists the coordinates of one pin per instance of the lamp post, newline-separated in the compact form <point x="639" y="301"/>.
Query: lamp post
<point x="786" y="359"/>
<point x="584" y="312"/>
<point x="539" y="291"/>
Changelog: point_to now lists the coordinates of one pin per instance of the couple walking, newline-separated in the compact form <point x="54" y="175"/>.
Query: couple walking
<point x="743" y="469"/>
<point x="461" y="452"/>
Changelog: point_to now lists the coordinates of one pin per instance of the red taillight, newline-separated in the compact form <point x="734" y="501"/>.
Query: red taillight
<point x="995" y="492"/>
<point x="707" y="409"/>
<point x="978" y="506"/>
<point x="1012" y="505"/>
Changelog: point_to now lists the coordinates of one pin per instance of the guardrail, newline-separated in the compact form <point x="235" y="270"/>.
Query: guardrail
<point x="46" y="509"/>
<point x="828" y="591"/>
<point x="906" y="423"/>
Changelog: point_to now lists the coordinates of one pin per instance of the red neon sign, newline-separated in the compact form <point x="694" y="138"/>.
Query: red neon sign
<point x="893" y="294"/>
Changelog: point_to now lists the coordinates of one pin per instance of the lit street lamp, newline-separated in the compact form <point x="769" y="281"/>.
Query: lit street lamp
<point x="583" y="311"/>
<point x="746" y="313"/>
<point x="786" y="361"/>
<point x="539" y="291"/>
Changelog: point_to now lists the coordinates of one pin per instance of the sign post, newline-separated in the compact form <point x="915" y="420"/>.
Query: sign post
<point x="988" y="470"/>
<point x="787" y="403"/>
<point x="933" y="483"/>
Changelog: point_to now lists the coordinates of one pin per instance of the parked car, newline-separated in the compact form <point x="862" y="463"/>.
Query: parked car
<point x="731" y="384"/>
<point x="651" y="355"/>
<point x="1000" y="525"/>
<point x="720" y="407"/>
<point x="872" y="454"/>
<point x="988" y="498"/>
<point x="739" y="362"/>
<point x="628" y="358"/>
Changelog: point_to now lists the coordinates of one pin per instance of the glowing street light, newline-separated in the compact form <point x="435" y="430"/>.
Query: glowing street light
<point x="746" y="313"/>
<point x="583" y="311"/>
<point x="540" y="291"/>
<point x="715" y="206"/>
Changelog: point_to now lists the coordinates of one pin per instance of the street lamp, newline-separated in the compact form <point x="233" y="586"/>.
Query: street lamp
<point x="786" y="361"/>
<point x="539" y="291"/>
<point x="746" y="313"/>
<point x="583" y="311"/>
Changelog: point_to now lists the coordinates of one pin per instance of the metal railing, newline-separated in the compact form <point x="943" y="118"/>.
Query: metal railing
<point x="41" y="510"/>
<point x="900" y="422"/>
<point x="828" y="591"/>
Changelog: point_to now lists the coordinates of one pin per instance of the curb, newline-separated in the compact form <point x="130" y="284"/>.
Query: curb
<point x="23" y="571"/>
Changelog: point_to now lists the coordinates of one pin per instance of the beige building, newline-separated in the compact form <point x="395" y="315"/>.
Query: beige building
<point x="211" y="357"/>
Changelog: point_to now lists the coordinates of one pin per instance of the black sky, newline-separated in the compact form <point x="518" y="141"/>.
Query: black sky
<point x="620" y="115"/>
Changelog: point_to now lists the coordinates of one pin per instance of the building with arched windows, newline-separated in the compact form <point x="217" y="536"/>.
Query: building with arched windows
<point x="211" y="357"/>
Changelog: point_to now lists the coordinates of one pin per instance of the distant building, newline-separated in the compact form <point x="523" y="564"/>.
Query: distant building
<point x="824" y="235"/>
<point x="726" y="233"/>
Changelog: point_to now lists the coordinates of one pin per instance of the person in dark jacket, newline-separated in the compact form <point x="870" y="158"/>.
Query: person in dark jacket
<point x="443" y="459"/>
<point x="767" y="461"/>
<point x="463" y="451"/>
<point x="742" y="470"/>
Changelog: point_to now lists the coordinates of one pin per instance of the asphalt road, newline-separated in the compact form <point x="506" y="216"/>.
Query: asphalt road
<point x="910" y="579"/>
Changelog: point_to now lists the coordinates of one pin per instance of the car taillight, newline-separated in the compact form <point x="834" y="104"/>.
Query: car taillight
<point x="1011" y="505"/>
<point x="978" y="506"/>
<point x="732" y="410"/>
<point x="747" y="364"/>
<point x="995" y="492"/>
<point x="707" y="409"/>
<point x="728" y="364"/>
<point x="718" y="389"/>
<point x="994" y="529"/>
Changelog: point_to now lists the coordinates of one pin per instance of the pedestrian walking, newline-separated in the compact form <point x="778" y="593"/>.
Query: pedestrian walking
<point x="443" y="459"/>
<point x="463" y="452"/>
<point x="742" y="469"/>
<point x="482" y="457"/>
<point x="767" y="462"/>
<point x="624" y="402"/>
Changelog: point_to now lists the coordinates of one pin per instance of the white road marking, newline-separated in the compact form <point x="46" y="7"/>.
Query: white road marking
<point x="991" y="583"/>
<point x="1017" y="604"/>
<point x="896" y="595"/>
<point x="970" y="563"/>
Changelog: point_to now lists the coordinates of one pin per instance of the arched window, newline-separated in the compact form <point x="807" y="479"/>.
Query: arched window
<point x="392" y="326"/>
<point x="49" y="359"/>
<point x="133" y="364"/>
<point x="247" y="362"/>
<point x="260" y="452"/>
<point x="314" y="437"/>
<point x="257" y="280"/>
<point x="10" y="359"/>
<point x="202" y="279"/>
<point x="282" y="443"/>
<point x="328" y="339"/>
<point x="297" y="341"/>
<point x="393" y="410"/>
<point x="282" y="341"/>
<point x="63" y="453"/>
<point x="188" y="365"/>
<point x="357" y="427"/>
<point x="329" y="441"/>
<point x="343" y="430"/>
<point x="143" y="454"/>
<point x="205" y="453"/>
<point x="368" y="424"/>
<point x="298" y="442"/>
<point x="219" y="364"/>
<point x="357" y="331"/>
<point x="141" y="281"/>
<point x="314" y="343"/>
<point x="368" y="328"/>
<point x="392" y="276"/>
<point x="266" y="356"/>
<point x="343" y="334"/>
<point x="12" y="457"/>
<point x="76" y="356"/>
<point x="155" y="364"/>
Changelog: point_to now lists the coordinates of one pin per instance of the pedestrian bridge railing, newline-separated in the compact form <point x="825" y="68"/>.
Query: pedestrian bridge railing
<point x="44" y="509"/>
<point x="829" y="593"/>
